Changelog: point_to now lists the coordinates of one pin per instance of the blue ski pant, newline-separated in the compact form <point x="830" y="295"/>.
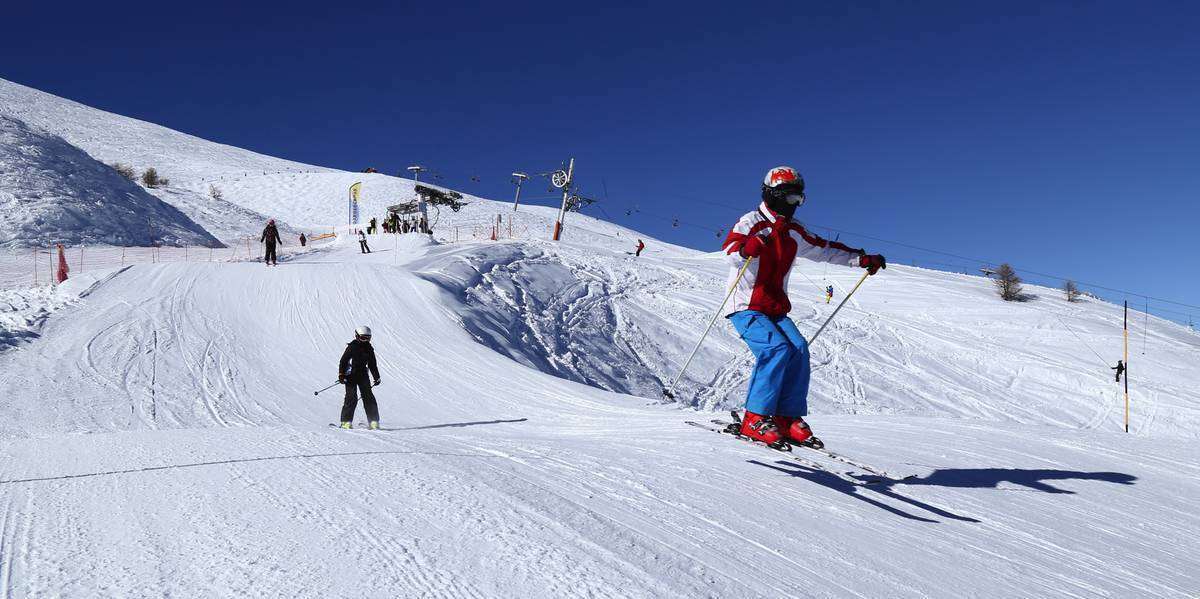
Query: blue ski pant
<point x="779" y="383"/>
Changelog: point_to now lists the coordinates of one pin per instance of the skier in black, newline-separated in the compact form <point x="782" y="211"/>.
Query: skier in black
<point x="270" y="236"/>
<point x="362" y="243"/>
<point x="357" y="362"/>
<point x="303" y="240"/>
<point x="1120" y="368"/>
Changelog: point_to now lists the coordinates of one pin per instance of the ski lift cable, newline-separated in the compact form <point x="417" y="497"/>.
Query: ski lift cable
<point x="1064" y="323"/>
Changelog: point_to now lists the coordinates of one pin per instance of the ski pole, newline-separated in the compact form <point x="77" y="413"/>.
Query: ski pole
<point x="839" y="307"/>
<point x="669" y="391"/>
<point x="327" y="388"/>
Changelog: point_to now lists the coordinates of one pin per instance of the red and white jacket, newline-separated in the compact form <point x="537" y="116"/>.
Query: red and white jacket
<point x="764" y="286"/>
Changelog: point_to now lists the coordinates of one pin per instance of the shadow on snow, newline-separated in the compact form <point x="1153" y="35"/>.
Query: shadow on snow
<point x="965" y="478"/>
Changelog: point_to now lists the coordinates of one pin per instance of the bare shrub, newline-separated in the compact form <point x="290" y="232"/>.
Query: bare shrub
<point x="1008" y="284"/>
<point x="1071" y="290"/>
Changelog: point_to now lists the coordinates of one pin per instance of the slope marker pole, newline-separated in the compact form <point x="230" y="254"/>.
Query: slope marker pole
<point x="1126" y="323"/>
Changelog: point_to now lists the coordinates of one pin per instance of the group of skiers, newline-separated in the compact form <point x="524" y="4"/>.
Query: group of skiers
<point x="394" y="224"/>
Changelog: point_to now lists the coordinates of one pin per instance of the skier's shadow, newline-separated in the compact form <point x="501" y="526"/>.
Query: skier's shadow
<point x="841" y="485"/>
<point x="970" y="478"/>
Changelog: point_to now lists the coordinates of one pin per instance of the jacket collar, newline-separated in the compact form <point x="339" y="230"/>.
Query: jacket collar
<point x="767" y="212"/>
<point x="771" y="216"/>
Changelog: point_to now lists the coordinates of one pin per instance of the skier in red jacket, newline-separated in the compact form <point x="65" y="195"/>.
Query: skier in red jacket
<point x="771" y="239"/>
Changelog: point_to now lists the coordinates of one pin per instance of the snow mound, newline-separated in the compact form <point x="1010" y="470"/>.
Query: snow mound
<point x="110" y="137"/>
<point x="51" y="191"/>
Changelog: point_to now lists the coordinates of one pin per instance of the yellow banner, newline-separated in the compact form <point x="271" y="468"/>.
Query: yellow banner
<point x="354" y="191"/>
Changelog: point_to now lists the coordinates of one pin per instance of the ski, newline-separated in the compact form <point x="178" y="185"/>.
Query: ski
<point x="869" y="469"/>
<point x="358" y="426"/>
<point x="854" y="479"/>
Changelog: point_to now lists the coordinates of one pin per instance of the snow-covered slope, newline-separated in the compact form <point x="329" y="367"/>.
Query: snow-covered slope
<point x="189" y="162"/>
<point x="159" y="434"/>
<point x="912" y="341"/>
<point x="110" y="137"/>
<point x="160" y="437"/>
<point x="51" y="191"/>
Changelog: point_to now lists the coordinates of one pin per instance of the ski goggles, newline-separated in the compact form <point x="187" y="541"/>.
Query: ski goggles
<point x="792" y="194"/>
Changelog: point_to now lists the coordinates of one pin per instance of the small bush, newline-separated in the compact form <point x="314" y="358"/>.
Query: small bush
<point x="150" y="178"/>
<point x="1071" y="290"/>
<point x="124" y="170"/>
<point x="215" y="193"/>
<point x="1008" y="284"/>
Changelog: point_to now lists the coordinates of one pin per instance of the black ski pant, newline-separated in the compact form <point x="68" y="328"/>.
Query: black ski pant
<point x="269" y="258"/>
<point x="353" y="387"/>
<point x="365" y="248"/>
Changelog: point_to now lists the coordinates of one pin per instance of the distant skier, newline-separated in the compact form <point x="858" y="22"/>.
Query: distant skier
<point x="358" y="361"/>
<point x="828" y="294"/>
<point x="1120" y="368"/>
<point x="362" y="243"/>
<point x="270" y="236"/>
<point x="303" y="240"/>
<point x="771" y="239"/>
<point x="371" y="227"/>
<point x="640" y="246"/>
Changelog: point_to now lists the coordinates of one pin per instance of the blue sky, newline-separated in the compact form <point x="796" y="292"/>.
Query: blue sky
<point x="1063" y="137"/>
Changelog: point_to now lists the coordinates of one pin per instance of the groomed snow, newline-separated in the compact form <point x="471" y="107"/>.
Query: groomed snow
<point x="159" y="435"/>
<point x="161" y="438"/>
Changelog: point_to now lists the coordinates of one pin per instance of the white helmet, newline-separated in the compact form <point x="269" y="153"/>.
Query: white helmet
<point x="783" y="186"/>
<point x="781" y="175"/>
<point x="363" y="331"/>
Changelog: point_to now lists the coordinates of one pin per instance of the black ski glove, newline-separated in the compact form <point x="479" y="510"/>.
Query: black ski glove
<point x="377" y="381"/>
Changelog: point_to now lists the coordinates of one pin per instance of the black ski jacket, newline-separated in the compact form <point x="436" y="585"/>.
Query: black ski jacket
<point x="271" y="236"/>
<point x="358" y="358"/>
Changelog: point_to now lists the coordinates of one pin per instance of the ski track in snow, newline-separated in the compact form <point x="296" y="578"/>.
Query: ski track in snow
<point x="178" y="449"/>
<point x="159" y="435"/>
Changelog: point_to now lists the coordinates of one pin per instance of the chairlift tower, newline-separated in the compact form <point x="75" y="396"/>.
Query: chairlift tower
<point x="562" y="179"/>
<point x="518" y="179"/>
<point x="416" y="170"/>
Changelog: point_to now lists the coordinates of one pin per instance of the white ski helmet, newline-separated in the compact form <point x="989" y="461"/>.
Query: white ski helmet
<point x="363" y="331"/>
<point x="784" y="185"/>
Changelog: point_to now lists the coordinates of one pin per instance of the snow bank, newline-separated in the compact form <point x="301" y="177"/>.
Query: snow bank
<point x="52" y="192"/>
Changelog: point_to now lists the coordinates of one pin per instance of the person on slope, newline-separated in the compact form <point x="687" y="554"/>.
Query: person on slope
<point x="270" y="236"/>
<point x="303" y="240"/>
<point x="357" y="362"/>
<point x="1120" y="368"/>
<point x="640" y="246"/>
<point x="362" y="243"/>
<point x="770" y="239"/>
<point x="828" y="293"/>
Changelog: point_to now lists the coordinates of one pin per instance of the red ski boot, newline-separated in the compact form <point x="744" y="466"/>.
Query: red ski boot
<point x="761" y="428"/>
<point x="797" y="432"/>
